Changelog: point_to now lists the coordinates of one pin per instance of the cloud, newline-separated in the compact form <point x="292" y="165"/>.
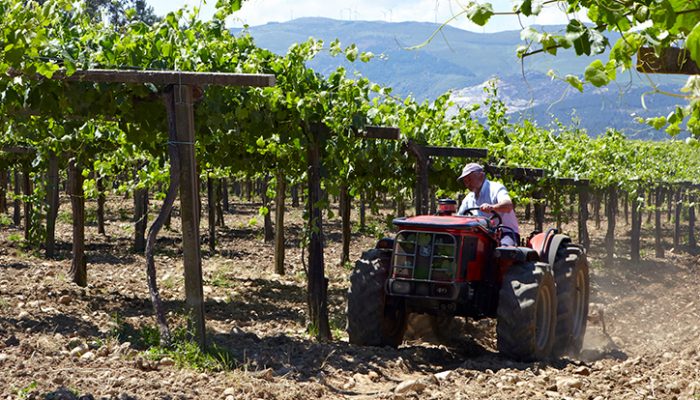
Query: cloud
<point x="259" y="12"/>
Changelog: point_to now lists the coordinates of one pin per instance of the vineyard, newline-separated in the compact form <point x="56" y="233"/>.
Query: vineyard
<point x="284" y="177"/>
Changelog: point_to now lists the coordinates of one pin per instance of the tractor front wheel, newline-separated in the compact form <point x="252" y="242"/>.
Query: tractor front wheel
<point x="373" y="319"/>
<point x="527" y="312"/>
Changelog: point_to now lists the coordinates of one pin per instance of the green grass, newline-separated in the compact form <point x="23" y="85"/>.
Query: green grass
<point x="169" y="282"/>
<point x="65" y="217"/>
<point x="182" y="349"/>
<point x="26" y="391"/>
<point x="90" y="216"/>
<point x="15" y="238"/>
<point x="220" y="279"/>
<point x="5" y="220"/>
<point x="337" y="323"/>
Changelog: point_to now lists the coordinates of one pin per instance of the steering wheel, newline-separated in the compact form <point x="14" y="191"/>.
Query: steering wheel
<point x="494" y="215"/>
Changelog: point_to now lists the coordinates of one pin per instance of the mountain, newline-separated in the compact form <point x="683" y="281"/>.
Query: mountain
<point x="463" y="62"/>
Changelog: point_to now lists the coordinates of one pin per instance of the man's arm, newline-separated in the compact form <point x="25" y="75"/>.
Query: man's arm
<point x="503" y="206"/>
<point x="503" y="202"/>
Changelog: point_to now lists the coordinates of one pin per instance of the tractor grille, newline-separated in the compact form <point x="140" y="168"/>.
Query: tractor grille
<point x="425" y="256"/>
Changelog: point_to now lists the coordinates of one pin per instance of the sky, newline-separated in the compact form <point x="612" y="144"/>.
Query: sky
<point x="260" y="12"/>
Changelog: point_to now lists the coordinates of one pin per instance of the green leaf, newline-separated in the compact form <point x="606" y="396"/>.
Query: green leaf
<point x="574" y="81"/>
<point x="351" y="53"/>
<point x="611" y="70"/>
<point x="577" y="33"/>
<point x="657" y="122"/>
<point x="526" y="8"/>
<point x="480" y="13"/>
<point x="46" y="69"/>
<point x="365" y="56"/>
<point x="229" y="5"/>
<point x="692" y="43"/>
<point x="166" y="49"/>
<point x="596" y="74"/>
<point x="692" y="86"/>
<point x="335" y="48"/>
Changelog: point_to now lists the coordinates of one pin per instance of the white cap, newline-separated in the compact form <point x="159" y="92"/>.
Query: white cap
<point x="469" y="168"/>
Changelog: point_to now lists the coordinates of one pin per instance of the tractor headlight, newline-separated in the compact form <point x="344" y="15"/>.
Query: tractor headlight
<point x="401" y="287"/>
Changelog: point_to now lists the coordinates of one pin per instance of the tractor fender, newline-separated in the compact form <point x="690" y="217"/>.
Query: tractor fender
<point x="517" y="254"/>
<point x="554" y="244"/>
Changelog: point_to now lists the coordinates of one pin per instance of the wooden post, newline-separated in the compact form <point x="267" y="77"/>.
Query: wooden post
<point x="637" y="216"/>
<point x="528" y="211"/>
<point x="52" y="190"/>
<point x="17" y="216"/>
<point x="224" y="195"/>
<point x="168" y="219"/>
<point x="625" y="202"/>
<point x="78" y="268"/>
<point x="421" y="190"/>
<point x="692" y="244"/>
<point x="269" y="233"/>
<point x="432" y="201"/>
<point x="677" y="221"/>
<point x="658" y="201"/>
<point x="181" y="96"/>
<point x="670" y="203"/>
<point x="539" y="210"/>
<point x="220" y="183"/>
<point x="279" y="221"/>
<point x="317" y="283"/>
<point x="345" y="218"/>
<point x="294" y="191"/>
<point x="650" y="200"/>
<point x="610" y="215"/>
<point x="363" y="211"/>
<point x="27" y="191"/>
<point x="249" y="189"/>
<point x="400" y="205"/>
<point x="140" y="219"/>
<point x="596" y="208"/>
<point x="237" y="189"/>
<point x="3" y="190"/>
<point x="583" y="236"/>
<point x="101" y="199"/>
<point x="558" y="207"/>
<point x="211" y="206"/>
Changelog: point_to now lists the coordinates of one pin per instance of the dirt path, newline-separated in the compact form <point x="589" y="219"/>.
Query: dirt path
<point x="61" y="341"/>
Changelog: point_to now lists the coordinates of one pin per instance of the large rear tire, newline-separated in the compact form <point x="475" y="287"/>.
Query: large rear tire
<point x="573" y="291"/>
<point x="373" y="319"/>
<point x="526" y="314"/>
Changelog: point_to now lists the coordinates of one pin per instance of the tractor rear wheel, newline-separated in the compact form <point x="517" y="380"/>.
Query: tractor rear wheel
<point x="573" y="289"/>
<point x="527" y="312"/>
<point x="373" y="319"/>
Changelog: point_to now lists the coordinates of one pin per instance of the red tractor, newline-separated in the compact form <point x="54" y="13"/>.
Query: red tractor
<point x="448" y="265"/>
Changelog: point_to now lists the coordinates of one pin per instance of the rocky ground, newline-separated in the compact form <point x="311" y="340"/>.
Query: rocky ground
<point x="59" y="341"/>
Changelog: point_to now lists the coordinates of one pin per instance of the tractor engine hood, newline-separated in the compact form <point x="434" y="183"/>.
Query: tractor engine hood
<point x="441" y="222"/>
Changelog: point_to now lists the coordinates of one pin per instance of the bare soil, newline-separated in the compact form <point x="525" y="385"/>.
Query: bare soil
<point x="59" y="341"/>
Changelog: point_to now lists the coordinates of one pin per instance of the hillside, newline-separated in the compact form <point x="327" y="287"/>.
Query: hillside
<point x="463" y="61"/>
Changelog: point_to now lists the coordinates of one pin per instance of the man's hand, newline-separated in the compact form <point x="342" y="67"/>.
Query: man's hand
<point x="486" y="207"/>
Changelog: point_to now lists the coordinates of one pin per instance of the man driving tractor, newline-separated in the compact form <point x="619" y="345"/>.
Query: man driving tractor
<point x="489" y="197"/>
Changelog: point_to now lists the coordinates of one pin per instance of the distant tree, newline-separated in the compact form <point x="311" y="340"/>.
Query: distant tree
<point x="115" y="11"/>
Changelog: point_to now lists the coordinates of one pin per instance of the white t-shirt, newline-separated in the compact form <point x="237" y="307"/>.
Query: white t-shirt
<point x="491" y="193"/>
